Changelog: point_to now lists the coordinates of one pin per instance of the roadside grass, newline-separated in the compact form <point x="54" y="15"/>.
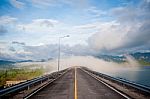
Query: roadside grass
<point x="19" y="74"/>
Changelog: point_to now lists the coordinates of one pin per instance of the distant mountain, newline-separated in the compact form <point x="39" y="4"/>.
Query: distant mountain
<point x="142" y="57"/>
<point x="5" y="62"/>
<point x="25" y="61"/>
<point x="112" y="58"/>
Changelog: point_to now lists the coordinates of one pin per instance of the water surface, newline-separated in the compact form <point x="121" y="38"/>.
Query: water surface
<point x="138" y="75"/>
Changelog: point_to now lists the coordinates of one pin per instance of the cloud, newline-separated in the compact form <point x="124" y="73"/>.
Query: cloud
<point x="6" y="23"/>
<point x="138" y="37"/>
<point x="46" y="22"/>
<point x="3" y="45"/>
<point x="108" y="36"/>
<point x="43" y="51"/>
<point x="132" y="14"/>
<point x="48" y="30"/>
<point x="44" y="3"/>
<point x="12" y="49"/>
<point x="6" y="20"/>
<point x="38" y="25"/>
<point x="3" y="30"/>
<point x="14" y="56"/>
<point x="58" y="3"/>
<point x="94" y="12"/>
<point x="116" y="37"/>
<point x="19" y="43"/>
<point x="88" y="26"/>
<point x="17" y="4"/>
<point x="130" y="30"/>
<point x="87" y="61"/>
<point x="51" y="51"/>
<point x="9" y="51"/>
<point x="76" y="3"/>
<point x="78" y="50"/>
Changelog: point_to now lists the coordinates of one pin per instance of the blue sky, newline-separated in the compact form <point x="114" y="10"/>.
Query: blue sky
<point x="94" y="26"/>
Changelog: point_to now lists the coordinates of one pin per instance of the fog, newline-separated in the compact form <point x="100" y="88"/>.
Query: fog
<point x="90" y="62"/>
<point x="93" y="63"/>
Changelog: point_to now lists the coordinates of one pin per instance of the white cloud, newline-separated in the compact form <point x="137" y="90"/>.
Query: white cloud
<point x="46" y="22"/>
<point x="3" y="45"/>
<point x="49" y="3"/>
<point x="17" y="4"/>
<point x="48" y="30"/>
<point x="118" y="37"/>
<point x="9" y="51"/>
<point x="38" y="25"/>
<point x="88" y="26"/>
<point x="53" y="3"/>
<point x="94" y="12"/>
<point x="6" y="20"/>
<point x="130" y="30"/>
<point x="108" y="37"/>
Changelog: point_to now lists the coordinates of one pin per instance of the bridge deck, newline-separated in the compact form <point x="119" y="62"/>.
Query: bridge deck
<point x="76" y="84"/>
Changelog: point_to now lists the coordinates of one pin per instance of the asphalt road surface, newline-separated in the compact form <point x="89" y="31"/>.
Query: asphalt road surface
<point x="76" y="84"/>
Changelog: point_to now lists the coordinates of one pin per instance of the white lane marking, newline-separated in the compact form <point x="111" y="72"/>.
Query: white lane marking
<point x="92" y="75"/>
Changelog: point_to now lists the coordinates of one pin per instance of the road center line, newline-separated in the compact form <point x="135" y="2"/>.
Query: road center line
<point x="75" y="86"/>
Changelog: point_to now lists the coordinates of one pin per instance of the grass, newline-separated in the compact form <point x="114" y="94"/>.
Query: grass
<point x="18" y="74"/>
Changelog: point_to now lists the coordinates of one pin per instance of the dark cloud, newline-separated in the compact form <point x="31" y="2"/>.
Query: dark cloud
<point x="12" y="49"/>
<point x="20" y="43"/>
<point x="139" y="37"/>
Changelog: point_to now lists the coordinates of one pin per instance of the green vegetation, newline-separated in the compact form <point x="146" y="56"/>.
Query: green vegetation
<point x="18" y="74"/>
<point x="144" y="63"/>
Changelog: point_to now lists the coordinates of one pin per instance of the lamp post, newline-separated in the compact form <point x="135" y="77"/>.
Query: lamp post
<point x="59" y="50"/>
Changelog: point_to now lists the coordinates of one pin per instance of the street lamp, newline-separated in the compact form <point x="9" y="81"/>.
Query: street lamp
<point x="59" y="50"/>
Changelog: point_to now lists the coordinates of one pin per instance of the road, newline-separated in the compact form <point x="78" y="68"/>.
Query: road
<point x="76" y="84"/>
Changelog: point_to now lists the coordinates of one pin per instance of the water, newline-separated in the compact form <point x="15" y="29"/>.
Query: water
<point x="138" y="75"/>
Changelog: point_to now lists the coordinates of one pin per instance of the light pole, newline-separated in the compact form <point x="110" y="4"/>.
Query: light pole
<point x="59" y="50"/>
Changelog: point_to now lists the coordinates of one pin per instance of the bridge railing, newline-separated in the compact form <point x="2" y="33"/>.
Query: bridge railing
<point x="27" y="84"/>
<point x="138" y="87"/>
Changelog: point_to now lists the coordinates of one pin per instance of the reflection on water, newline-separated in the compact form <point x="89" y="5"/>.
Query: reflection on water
<point x="138" y="75"/>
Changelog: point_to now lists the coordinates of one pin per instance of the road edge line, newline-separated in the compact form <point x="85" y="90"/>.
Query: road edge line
<point x="112" y="88"/>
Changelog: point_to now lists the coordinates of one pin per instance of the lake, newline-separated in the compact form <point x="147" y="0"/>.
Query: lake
<point x="139" y="75"/>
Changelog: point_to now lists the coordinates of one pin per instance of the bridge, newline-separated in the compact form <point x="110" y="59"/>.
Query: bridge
<point x="76" y="83"/>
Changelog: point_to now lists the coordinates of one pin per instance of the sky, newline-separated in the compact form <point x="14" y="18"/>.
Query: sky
<point x="30" y="29"/>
